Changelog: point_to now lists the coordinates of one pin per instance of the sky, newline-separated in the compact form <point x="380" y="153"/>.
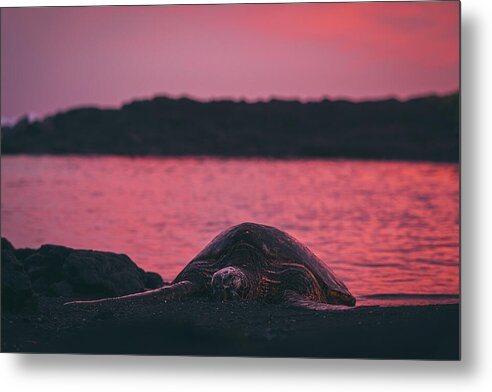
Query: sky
<point x="53" y="59"/>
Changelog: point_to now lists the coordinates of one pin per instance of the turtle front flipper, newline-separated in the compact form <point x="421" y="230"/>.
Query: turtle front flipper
<point x="300" y="301"/>
<point x="175" y="291"/>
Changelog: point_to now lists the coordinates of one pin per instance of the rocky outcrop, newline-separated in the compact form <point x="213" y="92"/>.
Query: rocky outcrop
<point x="17" y="291"/>
<point x="59" y="271"/>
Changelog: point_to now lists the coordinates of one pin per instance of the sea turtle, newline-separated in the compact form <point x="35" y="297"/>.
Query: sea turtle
<point x="254" y="262"/>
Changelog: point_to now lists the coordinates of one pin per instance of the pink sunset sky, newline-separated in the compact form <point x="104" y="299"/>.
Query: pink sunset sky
<point x="57" y="58"/>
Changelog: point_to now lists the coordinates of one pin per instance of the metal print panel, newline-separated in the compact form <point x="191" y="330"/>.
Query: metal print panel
<point x="232" y="180"/>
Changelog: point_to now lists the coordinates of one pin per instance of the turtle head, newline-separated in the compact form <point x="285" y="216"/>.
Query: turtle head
<point x="229" y="283"/>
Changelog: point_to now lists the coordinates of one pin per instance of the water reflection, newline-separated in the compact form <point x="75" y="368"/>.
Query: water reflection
<point x="384" y="227"/>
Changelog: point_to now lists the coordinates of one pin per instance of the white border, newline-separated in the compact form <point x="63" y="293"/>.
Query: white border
<point x="106" y="373"/>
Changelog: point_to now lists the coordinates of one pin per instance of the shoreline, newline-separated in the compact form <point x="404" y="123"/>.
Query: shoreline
<point x="198" y="157"/>
<point x="37" y="282"/>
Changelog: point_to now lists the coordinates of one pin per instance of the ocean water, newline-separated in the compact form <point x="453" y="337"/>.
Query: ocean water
<point x="389" y="230"/>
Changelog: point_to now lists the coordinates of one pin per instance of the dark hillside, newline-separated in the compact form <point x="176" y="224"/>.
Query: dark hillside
<point x="424" y="128"/>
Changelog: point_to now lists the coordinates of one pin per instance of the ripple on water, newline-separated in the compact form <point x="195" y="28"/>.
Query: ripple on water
<point x="384" y="227"/>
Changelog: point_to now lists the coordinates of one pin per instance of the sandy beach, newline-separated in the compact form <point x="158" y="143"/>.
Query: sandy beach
<point x="36" y="284"/>
<point x="234" y="329"/>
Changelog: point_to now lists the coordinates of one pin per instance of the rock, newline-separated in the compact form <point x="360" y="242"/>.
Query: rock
<point x="60" y="289"/>
<point x="102" y="273"/>
<point x="152" y="280"/>
<point x="6" y="245"/>
<point x="45" y="266"/>
<point x="16" y="285"/>
<point x="60" y="271"/>
<point x="24" y="253"/>
<point x="40" y="285"/>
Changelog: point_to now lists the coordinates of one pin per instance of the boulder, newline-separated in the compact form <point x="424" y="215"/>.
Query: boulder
<point x="6" y="245"/>
<point x="102" y="273"/>
<point x="61" y="271"/>
<point x="24" y="253"/>
<point x="17" y="291"/>
<point x="153" y="280"/>
<point x="47" y="263"/>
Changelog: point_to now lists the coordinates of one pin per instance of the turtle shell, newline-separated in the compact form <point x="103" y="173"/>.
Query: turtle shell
<point x="273" y="256"/>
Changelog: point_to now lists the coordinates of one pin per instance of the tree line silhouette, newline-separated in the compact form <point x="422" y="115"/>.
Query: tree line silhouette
<point x="424" y="128"/>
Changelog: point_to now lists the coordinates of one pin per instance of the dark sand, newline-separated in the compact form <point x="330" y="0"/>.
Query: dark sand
<point x="196" y="327"/>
